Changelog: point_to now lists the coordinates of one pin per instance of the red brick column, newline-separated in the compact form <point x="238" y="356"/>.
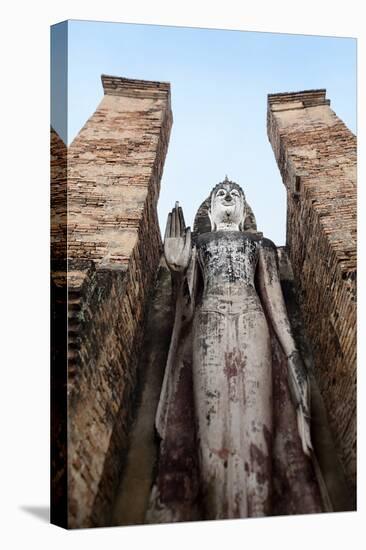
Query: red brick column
<point x="114" y="168"/>
<point x="316" y="155"/>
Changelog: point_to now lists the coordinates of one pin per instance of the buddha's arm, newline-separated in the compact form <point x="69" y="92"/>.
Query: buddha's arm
<point x="181" y="260"/>
<point x="271" y="294"/>
<point x="272" y="299"/>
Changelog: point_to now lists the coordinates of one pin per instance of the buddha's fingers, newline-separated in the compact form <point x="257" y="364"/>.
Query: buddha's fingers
<point x="173" y="226"/>
<point x="177" y="221"/>
<point x="181" y="221"/>
<point x="168" y="226"/>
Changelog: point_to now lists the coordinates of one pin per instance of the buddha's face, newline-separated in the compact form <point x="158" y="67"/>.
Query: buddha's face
<point x="227" y="208"/>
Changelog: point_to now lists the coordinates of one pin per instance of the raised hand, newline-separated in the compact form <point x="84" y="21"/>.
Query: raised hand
<point x="177" y="242"/>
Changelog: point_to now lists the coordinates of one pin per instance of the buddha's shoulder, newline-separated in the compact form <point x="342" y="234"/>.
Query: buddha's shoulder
<point x="267" y="243"/>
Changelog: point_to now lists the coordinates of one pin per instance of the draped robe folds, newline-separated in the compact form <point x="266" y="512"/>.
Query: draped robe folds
<point x="229" y="442"/>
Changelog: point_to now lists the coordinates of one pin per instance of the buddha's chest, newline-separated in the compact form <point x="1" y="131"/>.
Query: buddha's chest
<point x="230" y="256"/>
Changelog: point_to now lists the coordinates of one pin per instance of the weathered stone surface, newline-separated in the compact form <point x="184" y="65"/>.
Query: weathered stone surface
<point x="316" y="154"/>
<point x="114" y="167"/>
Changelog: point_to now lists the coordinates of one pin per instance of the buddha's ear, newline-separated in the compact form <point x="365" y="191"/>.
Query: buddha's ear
<point x="213" y="225"/>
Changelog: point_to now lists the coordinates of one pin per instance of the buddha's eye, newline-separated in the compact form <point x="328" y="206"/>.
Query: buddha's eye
<point x="220" y="193"/>
<point x="235" y="193"/>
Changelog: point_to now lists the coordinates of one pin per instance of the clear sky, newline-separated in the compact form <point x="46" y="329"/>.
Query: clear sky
<point x="219" y="84"/>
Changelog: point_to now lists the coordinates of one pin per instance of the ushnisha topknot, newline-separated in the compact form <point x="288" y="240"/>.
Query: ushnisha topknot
<point x="227" y="181"/>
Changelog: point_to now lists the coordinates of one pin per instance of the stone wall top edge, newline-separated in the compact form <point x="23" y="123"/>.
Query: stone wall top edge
<point x="308" y="97"/>
<point x="116" y="85"/>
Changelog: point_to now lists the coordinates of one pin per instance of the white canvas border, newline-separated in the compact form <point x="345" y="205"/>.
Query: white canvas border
<point x="24" y="284"/>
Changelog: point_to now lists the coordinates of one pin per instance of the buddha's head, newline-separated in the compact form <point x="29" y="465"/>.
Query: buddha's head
<point x="228" y="207"/>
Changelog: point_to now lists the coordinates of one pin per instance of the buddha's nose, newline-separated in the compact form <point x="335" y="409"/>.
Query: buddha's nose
<point x="228" y="197"/>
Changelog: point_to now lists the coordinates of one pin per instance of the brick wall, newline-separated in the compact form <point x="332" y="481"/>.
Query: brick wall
<point x="316" y="155"/>
<point x="114" y="167"/>
<point x="58" y="294"/>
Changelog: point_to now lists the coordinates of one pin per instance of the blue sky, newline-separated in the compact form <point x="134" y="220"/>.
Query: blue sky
<point x="219" y="83"/>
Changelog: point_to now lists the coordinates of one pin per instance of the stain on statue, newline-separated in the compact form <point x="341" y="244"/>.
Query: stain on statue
<point x="234" y="415"/>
